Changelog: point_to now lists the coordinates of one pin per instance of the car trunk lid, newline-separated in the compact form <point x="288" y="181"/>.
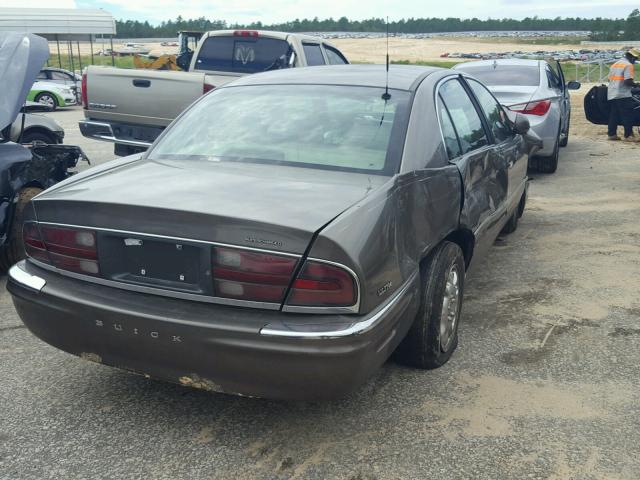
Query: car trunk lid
<point x="260" y="206"/>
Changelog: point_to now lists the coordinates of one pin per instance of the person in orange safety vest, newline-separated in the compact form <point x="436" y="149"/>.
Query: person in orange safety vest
<point x="621" y="105"/>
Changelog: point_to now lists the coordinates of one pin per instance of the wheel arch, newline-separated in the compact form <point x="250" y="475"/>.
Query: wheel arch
<point x="466" y="240"/>
<point x="42" y="130"/>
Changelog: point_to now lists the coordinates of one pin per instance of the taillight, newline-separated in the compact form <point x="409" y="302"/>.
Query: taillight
<point x="33" y="244"/>
<point x="207" y="88"/>
<point x="323" y="285"/>
<point x="66" y="248"/>
<point x="253" y="276"/>
<point x="85" y="102"/>
<point x="245" y="33"/>
<point x="532" y="108"/>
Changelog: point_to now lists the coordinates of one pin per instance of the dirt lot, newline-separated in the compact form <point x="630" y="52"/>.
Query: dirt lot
<point x="545" y="383"/>
<point x="372" y="50"/>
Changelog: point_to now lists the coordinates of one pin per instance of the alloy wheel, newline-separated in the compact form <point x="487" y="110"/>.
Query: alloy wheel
<point x="450" y="304"/>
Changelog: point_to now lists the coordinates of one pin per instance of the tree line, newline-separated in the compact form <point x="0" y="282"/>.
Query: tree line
<point x="600" y="28"/>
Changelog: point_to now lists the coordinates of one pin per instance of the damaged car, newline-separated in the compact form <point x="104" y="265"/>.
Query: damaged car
<point x="284" y="236"/>
<point x="25" y="170"/>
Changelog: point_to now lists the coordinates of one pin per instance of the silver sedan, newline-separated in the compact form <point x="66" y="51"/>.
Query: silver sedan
<point x="537" y="89"/>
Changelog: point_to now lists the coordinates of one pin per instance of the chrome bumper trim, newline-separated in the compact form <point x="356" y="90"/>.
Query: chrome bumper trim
<point x="351" y="330"/>
<point x="103" y="131"/>
<point x="18" y="274"/>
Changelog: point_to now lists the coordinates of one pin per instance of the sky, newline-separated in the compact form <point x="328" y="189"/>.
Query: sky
<point x="273" y="11"/>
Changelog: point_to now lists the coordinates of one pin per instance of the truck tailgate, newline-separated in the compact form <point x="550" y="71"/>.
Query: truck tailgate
<point x="144" y="97"/>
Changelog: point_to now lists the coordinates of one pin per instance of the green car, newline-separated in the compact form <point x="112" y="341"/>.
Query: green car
<point x="52" y="95"/>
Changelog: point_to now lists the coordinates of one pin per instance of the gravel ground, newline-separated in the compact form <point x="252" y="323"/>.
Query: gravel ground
<point x="545" y="382"/>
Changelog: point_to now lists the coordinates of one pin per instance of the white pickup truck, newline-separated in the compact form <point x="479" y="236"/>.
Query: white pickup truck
<point x="131" y="107"/>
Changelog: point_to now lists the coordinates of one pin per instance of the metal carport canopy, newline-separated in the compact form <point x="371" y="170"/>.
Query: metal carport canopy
<point x="58" y="23"/>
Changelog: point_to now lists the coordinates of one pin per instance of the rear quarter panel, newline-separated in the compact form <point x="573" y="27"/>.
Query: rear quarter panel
<point x="384" y="237"/>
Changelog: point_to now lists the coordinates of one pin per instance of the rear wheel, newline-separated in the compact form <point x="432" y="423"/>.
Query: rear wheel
<point x="30" y="137"/>
<point x="547" y="164"/>
<point x="512" y="225"/>
<point x="433" y="337"/>
<point x="48" y="99"/>
<point x="13" y="251"/>
<point x="565" y="139"/>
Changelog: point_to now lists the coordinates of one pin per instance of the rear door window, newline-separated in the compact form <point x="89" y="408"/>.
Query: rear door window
<point x="449" y="134"/>
<point x="240" y="54"/>
<point x="313" y="53"/>
<point x="334" y="56"/>
<point x="493" y="112"/>
<point x="464" y="116"/>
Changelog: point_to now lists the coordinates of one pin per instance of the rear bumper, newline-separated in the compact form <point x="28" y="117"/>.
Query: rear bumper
<point x="218" y="348"/>
<point x="131" y="135"/>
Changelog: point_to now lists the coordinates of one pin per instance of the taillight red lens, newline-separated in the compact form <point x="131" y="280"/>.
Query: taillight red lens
<point x="70" y="242"/>
<point x="323" y="285"/>
<point x="85" y="102"/>
<point x="66" y="248"/>
<point x="33" y="244"/>
<point x="252" y="276"/>
<point x="207" y="88"/>
<point x="532" y="108"/>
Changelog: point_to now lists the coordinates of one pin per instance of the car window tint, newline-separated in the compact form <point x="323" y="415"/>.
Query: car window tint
<point x="505" y="75"/>
<point x="493" y="112"/>
<point x="334" y="56"/>
<point x="313" y="53"/>
<point x="448" y="132"/>
<point x="42" y="75"/>
<point x="241" y="54"/>
<point x="464" y="115"/>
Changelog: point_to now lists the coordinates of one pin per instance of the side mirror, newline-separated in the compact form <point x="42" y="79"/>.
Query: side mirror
<point x="573" y="85"/>
<point x="521" y="124"/>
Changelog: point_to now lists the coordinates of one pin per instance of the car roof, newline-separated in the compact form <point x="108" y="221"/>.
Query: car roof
<point x="523" y="62"/>
<point x="401" y="77"/>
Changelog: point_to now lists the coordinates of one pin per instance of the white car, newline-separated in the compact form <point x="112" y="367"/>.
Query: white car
<point x="52" y="94"/>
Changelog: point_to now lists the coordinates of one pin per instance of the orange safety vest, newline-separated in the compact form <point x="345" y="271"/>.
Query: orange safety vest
<point x="617" y="71"/>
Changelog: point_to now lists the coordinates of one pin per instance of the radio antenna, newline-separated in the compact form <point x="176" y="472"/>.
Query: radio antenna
<point x="386" y="96"/>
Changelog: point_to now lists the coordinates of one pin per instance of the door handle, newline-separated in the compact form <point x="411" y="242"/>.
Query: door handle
<point x="141" y="83"/>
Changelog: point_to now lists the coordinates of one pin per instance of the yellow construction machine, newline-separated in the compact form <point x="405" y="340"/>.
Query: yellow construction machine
<point x="187" y="42"/>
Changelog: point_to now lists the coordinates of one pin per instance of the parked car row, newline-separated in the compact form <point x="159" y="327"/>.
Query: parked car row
<point x="292" y="229"/>
<point x="582" y="55"/>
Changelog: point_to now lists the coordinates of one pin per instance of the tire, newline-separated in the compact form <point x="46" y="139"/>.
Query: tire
<point x="431" y="339"/>
<point x="512" y="225"/>
<point x="565" y="141"/>
<point x="13" y="251"/>
<point x="47" y="98"/>
<point x="547" y="164"/>
<point x="30" y="137"/>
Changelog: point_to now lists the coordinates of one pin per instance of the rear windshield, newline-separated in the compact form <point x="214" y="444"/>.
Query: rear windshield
<point x="522" y="76"/>
<point x="241" y="54"/>
<point x="313" y="126"/>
